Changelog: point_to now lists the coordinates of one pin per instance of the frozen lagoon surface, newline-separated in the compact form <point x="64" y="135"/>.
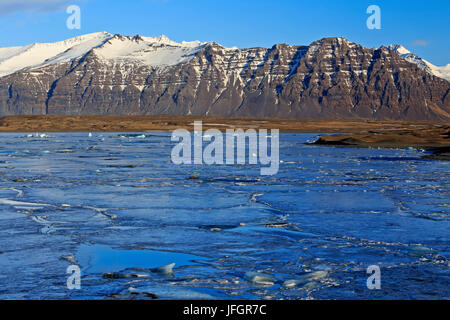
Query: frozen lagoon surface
<point x="115" y="205"/>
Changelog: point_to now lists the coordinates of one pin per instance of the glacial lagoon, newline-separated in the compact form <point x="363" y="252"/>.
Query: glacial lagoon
<point x="116" y="206"/>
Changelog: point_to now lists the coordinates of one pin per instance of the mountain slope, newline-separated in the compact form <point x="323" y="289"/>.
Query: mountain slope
<point x="106" y="74"/>
<point x="40" y="55"/>
<point x="442" y="72"/>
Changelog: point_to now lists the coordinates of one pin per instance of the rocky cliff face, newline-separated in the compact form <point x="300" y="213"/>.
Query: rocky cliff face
<point x="331" y="78"/>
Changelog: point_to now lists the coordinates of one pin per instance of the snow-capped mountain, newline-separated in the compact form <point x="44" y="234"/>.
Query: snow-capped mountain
<point x="157" y="51"/>
<point x="102" y="73"/>
<point x="442" y="72"/>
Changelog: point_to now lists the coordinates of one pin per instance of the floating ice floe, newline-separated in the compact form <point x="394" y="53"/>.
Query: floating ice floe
<point x="38" y="135"/>
<point x="307" y="282"/>
<point x="164" y="292"/>
<point x="420" y="251"/>
<point x="133" y="135"/>
<point x="315" y="276"/>
<point x="69" y="258"/>
<point x="164" y="270"/>
<point x="294" y="283"/>
<point x="260" y="278"/>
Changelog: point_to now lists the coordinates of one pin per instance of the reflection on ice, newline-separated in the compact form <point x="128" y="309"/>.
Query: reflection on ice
<point x="102" y="259"/>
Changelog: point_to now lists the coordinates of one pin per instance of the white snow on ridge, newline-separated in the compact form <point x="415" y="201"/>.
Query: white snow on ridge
<point x="152" y="51"/>
<point x="441" y="72"/>
<point x="42" y="54"/>
<point x="399" y="49"/>
<point x="164" y="40"/>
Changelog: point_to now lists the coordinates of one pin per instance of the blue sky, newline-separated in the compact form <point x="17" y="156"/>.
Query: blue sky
<point x="421" y="26"/>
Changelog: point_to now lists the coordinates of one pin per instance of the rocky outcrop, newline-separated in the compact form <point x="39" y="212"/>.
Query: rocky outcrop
<point x="331" y="78"/>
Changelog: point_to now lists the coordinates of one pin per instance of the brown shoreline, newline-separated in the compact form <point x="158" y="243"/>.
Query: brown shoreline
<point x="120" y="123"/>
<point x="362" y="133"/>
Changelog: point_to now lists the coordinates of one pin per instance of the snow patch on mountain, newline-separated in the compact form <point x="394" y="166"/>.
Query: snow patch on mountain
<point x="438" y="71"/>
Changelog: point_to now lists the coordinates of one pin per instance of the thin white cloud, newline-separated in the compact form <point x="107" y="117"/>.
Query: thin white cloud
<point x="12" y="6"/>
<point x="420" y="43"/>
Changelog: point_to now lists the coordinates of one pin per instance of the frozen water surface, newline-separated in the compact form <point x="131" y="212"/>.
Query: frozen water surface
<point x="115" y="205"/>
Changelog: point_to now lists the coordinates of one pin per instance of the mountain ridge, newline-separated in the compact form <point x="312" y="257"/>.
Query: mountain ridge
<point x="103" y="73"/>
<point x="102" y="37"/>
